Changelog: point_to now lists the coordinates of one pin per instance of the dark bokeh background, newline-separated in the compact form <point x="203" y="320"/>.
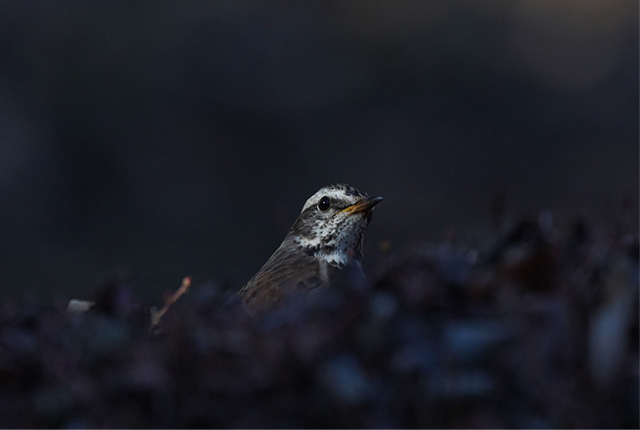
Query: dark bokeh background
<point x="167" y="139"/>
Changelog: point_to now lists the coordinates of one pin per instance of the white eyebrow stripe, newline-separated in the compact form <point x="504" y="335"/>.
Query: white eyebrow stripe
<point x="332" y="194"/>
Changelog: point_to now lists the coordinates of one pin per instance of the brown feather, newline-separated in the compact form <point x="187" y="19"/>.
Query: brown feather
<point x="326" y="237"/>
<point x="286" y="270"/>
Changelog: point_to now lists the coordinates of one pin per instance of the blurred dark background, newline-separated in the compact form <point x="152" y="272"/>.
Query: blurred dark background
<point x="166" y="139"/>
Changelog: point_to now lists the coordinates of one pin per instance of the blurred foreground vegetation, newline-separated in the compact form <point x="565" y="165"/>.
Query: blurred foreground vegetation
<point x="537" y="330"/>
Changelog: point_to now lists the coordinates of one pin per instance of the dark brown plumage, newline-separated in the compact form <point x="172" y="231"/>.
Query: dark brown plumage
<point x="326" y="237"/>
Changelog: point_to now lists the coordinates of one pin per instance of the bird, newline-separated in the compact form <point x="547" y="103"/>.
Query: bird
<point x="325" y="240"/>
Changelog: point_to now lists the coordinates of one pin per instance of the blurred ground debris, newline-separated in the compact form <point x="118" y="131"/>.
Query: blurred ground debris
<point x="539" y="331"/>
<point x="156" y="315"/>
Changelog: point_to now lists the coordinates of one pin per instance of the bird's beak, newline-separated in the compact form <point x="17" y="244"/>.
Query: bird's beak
<point x="364" y="205"/>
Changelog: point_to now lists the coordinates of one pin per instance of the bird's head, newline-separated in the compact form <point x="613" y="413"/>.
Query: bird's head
<point x="332" y="224"/>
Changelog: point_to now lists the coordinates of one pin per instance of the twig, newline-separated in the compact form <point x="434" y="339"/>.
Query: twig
<point x="155" y="316"/>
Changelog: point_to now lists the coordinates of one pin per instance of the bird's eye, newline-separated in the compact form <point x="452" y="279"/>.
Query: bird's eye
<point x="324" y="203"/>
